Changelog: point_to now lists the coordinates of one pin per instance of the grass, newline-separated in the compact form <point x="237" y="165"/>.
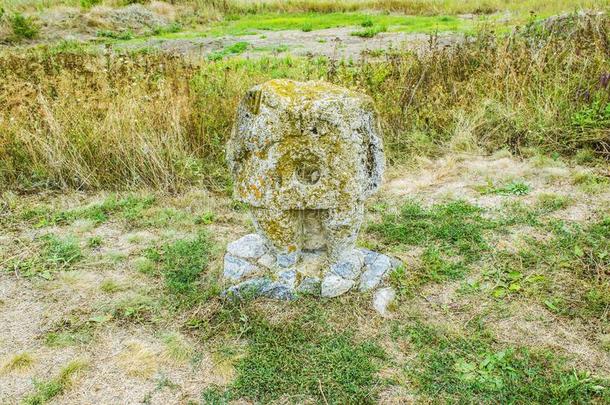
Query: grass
<point x="455" y="369"/>
<point x="214" y="9"/>
<point x="181" y="263"/>
<point x="317" y="21"/>
<point x="53" y="254"/>
<point x="303" y="361"/>
<point x="456" y="228"/>
<point x="18" y="362"/>
<point x="517" y="188"/>
<point x="129" y="208"/>
<point x="451" y="235"/>
<point x="47" y="390"/>
<point x="23" y="27"/>
<point x="235" y="49"/>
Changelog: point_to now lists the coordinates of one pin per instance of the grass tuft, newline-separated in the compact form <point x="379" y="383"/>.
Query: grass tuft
<point x="47" y="390"/>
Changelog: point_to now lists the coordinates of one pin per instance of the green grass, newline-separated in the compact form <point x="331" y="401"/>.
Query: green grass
<point x="248" y="24"/>
<point x="23" y="27"/>
<point x="47" y="390"/>
<point x="302" y="360"/>
<point x="369" y="32"/>
<point x="231" y="50"/>
<point x="513" y="188"/>
<point x="564" y="273"/>
<point x="455" y="228"/>
<point x="60" y="253"/>
<point x="181" y="264"/>
<point x="129" y="208"/>
<point x="453" y="368"/>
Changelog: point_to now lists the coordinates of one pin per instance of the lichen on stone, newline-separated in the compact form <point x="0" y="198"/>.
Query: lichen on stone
<point x="304" y="157"/>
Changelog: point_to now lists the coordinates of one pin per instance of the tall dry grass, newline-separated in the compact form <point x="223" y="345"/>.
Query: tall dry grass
<point x="77" y="120"/>
<point x="416" y="7"/>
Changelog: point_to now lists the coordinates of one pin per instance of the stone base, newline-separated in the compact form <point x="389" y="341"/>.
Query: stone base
<point x="252" y="270"/>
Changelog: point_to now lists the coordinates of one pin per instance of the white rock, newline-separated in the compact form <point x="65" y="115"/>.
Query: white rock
<point x="377" y="267"/>
<point x="251" y="246"/>
<point x="266" y="260"/>
<point x="349" y="266"/>
<point x="333" y="286"/>
<point x="236" y="268"/>
<point x="383" y="297"/>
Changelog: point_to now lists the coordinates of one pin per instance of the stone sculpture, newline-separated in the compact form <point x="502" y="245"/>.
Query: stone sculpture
<point x="304" y="157"/>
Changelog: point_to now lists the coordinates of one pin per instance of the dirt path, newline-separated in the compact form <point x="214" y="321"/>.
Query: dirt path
<point x="335" y="43"/>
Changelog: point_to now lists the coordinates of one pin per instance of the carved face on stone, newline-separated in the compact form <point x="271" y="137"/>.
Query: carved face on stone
<point x="307" y="145"/>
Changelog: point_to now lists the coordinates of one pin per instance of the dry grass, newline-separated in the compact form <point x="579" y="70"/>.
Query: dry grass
<point x="425" y="7"/>
<point x="419" y="7"/>
<point x="88" y="121"/>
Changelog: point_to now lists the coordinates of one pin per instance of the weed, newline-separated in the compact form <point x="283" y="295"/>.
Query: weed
<point x="177" y="347"/>
<point x="24" y="27"/>
<point x="145" y="265"/>
<point x="591" y="183"/>
<point x="367" y="22"/>
<point x="205" y="218"/>
<point x="596" y="115"/>
<point x="87" y="4"/>
<point x="137" y="309"/>
<point x="95" y="242"/>
<point x="553" y="202"/>
<point x="70" y="330"/>
<point x="167" y="29"/>
<point x="110" y="286"/>
<point x="130" y="208"/>
<point x="60" y="253"/>
<point x="47" y="390"/>
<point x="370" y="32"/>
<point x="518" y="188"/>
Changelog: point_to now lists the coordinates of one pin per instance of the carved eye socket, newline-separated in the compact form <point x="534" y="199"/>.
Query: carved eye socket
<point x="308" y="174"/>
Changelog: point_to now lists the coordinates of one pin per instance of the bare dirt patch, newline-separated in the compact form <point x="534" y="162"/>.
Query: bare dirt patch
<point x="334" y="43"/>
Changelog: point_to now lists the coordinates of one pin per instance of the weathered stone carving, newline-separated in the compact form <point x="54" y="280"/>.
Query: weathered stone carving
<point x="304" y="157"/>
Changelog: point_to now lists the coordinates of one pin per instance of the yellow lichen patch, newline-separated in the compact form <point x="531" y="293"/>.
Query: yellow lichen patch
<point x="256" y="191"/>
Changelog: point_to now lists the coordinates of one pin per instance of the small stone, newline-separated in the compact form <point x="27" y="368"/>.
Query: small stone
<point x="267" y="260"/>
<point x="383" y="297"/>
<point x="279" y="291"/>
<point x="287" y="260"/>
<point x="333" y="286"/>
<point x="376" y="266"/>
<point x="310" y="285"/>
<point x="287" y="277"/>
<point x="236" y="268"/>
<point x="251" y="246"/>
<point x="250" y="288"/>
<point x="349" y="266"/>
